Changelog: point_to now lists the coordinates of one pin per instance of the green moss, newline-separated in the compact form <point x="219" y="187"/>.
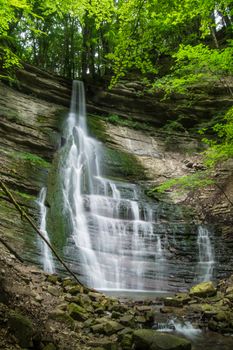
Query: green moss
<point x="57" y="223"/>
<point x="96" y="127"/>
<point x="22" y="328"/>
<point x="25" y="195"/>
<point x="117" y="163"/>
<point x="33" y="159"/>
<point x="129" y="122"/>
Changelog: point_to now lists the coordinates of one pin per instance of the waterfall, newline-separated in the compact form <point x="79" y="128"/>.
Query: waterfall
<point x="115" y="236"/>
<point x="47" y="259"/>
<point x="206" y="255"/>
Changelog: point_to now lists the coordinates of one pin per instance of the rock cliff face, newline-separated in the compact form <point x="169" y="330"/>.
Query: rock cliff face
<point x="29" y="138"/>
<point x="30" y="124"/>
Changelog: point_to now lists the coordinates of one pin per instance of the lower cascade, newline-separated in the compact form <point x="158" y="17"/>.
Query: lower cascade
<point x="116" y="239"/>
<point x="206" y="255"/>
<point x="47" y="259"/>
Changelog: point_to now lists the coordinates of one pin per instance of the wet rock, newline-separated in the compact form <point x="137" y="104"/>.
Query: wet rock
<point x="77" y="312"/>
<point x="203" y="290"/>
<point x="208" y="310"/>
<point x="177" y="301"/>
<point x="128" y="320"/>
<point x="222" y="327"/>
<point x="22" y="328"/>
<point x="151" y="340"/>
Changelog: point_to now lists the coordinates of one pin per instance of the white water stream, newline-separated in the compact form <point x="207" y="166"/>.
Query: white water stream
<point x="206" y="255"/>
<point x="46" y="256"/>
<point x="116" y="240"/>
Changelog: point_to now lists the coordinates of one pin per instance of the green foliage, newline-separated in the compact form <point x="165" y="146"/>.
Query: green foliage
<point x="10" y="12"/>
<point x="197" y="64"/>
<point x="83" y="37"/>
<point x="222" y="148"/>
<point x="185" y="183"/>
<point x="174" y="126"/>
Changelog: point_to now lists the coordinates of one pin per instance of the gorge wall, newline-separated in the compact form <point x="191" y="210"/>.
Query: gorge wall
<point x="30" y="124"/>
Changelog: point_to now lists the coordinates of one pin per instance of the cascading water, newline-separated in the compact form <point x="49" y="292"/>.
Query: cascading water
<point x="206" y="255"/>
<point x="47" y="259"/>
<point x="116" y="240"/>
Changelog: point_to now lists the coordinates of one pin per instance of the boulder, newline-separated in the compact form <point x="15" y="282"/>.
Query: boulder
<point x="106" y="326"/>
<point x="76" y="290"/>
<point x="127" y="341"/>
<point x="50" y="346"/>
<point x="104" y="344"/>
<point x="77" y="312"/>
<point x="54" y="291"/>
<point x="177" y="301"/>
<point x="22" y="328"/>
<point x="148" y="339"/>
<point x="54" y="279"/>
<point x="61" y="316"/>
<point x="203" y="290"/>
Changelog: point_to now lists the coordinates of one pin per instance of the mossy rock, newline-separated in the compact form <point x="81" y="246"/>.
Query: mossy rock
<point x="77" y="312"/>
<point x="54" y="279"/>
<point x="127" y="341"/>
<point x="203" y="290"/>
<point x="22" y="328"/>
<point x="61" y="316"/>
<point x="152" y="340"/>
<point x="76" y="290"/>
<point x="104" y="344"/>
<point x="178" y="300"/>
<point x="50" y="346"/>
<point x="106" y="326"/>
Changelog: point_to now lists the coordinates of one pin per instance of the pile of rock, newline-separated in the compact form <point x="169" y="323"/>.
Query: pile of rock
<point x="211" y="307"/>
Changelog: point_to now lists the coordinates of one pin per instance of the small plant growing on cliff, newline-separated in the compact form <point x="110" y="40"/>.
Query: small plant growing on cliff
<point x="117" y="120"/>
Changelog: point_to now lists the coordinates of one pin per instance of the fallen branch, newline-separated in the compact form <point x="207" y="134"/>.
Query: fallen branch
<point x="224" y="193"/>
<point x="24" y="215"/>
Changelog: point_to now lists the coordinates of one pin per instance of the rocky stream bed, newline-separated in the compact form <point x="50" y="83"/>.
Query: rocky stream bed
<point x="45" y="312"/>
